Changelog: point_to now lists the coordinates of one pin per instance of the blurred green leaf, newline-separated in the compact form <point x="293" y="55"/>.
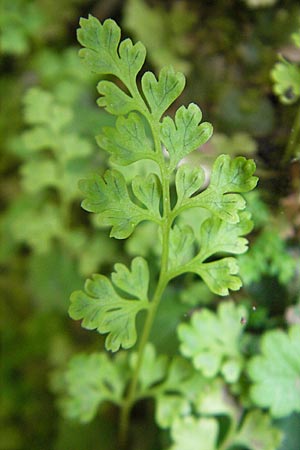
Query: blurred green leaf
<point x="212" y="341"/>
<point x="286" y="78"/>
<point x="153" y="370"/>
<point x="275" y="373"/>
<point x="165" y="32"/>
<point x="88" y="381"/>
<point x="258" y="433"/>
<point x="190" y="433"/>
<point x="267" y="255"/>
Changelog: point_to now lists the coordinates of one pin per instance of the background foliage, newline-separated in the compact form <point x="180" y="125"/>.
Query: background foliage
<point x="229" y="53"/>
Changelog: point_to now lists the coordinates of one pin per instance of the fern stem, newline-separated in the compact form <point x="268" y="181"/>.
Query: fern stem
<point x="127" y="405"/>
<point x="293" y="139"/>
<point x="162" y="282"/>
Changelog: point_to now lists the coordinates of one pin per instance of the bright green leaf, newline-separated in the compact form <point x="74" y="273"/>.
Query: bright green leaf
<point x="102" y="308"/>
<point x="212" y="340"/>
<point x="228" y="178"/>
<point x="233" y="175"/>
<point x="220" y="275"/>
<point x="134" y="282"/>
<point x="102" y="54"/>
<point x="127" y="142"/>
<point x="184" y="135"/>
<point x="161" y="93"/>
<point x="101" y="45"/>
<point x="219" y="236"/>
<point x="148" y="191"/>
<point x="114" y="100"/>
<point x="132" y="58"/>
<point x="109" y="198"/>
<point x="181" y="246"/>
<point x="188" y="180"/>
<point x="275" y="373"/>
<point x="190" y="433"/>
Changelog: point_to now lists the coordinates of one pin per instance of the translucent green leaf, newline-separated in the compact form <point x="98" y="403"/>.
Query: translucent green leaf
<point x="102" y="55"/>
<point x="220" y="276"/>
<point x="148" y="191"/>
<point x="127" y="141"/>
<point x="233" y="175"/>
<point x="188" y="180"/>
<point x="161" y="93"/>
<point x="190" y="433"/>
<point x="184" y="135"/>
<point x="95" y="37"/>
<point x="258" y="433"/>
<point x="132" y="58"/>
<point x="275" y="373"/>
<point x="134" y="282"/>
<point x="219" y="236"/>
<point x="212" y="340"/>
<point x="109" y="198"/>
<point x="102" y="308"/>
<point x="88" y="381"/>
<point x="228" y="177"/>
<point x="114" y="100"/>
<point x="181" y="245"/>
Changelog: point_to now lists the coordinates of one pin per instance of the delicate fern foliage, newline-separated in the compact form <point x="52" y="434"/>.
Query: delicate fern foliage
<point x="275" y="373"/>
<point x="102" y="308"/>
<point x="168" y="188"/>
<point x="141" y="132"/>
<point x="212" y="341"/>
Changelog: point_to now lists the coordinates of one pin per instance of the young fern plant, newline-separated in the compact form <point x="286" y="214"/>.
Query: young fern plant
<point x="142" y="132"/>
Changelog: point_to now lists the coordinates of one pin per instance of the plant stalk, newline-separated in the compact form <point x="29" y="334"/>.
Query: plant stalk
<point x="293" y="139"/>
<point x="162" y="282"/>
